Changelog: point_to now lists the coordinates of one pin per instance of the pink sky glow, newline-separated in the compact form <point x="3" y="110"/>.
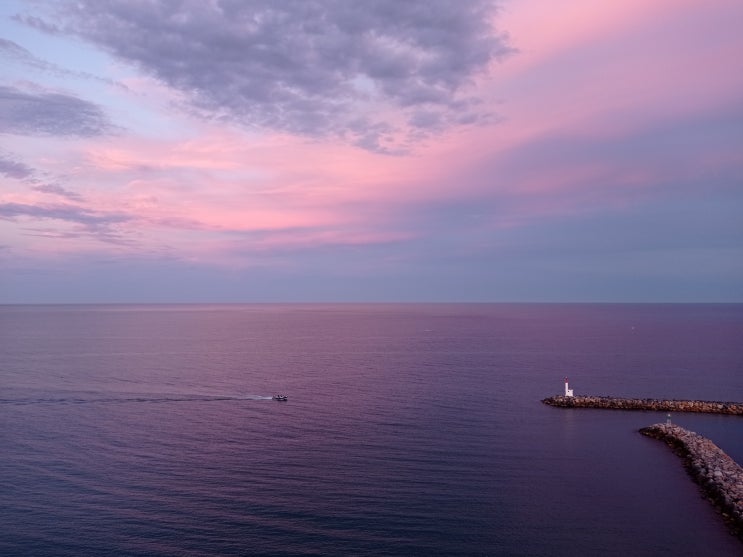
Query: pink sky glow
<point x="591" y="119"/>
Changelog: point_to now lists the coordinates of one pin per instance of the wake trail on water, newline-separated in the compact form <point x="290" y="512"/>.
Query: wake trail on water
<point x="148" y="399"/>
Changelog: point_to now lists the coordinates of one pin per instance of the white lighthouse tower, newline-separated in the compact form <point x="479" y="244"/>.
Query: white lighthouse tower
<point x="568" y="390"/>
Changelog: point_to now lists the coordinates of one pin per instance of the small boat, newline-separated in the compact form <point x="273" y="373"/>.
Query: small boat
<point x="281" y="398"/>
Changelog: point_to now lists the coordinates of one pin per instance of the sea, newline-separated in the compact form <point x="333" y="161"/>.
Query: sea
<point x="409" y="429"/>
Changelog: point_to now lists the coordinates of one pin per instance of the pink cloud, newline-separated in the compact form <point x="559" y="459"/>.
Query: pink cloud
<point x="623" y="58"/>
<point x="597" y="73"/>
<point x="187" y="195"/>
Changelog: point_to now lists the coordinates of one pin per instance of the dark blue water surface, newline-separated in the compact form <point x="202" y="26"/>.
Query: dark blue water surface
<point x="409" y="429"/>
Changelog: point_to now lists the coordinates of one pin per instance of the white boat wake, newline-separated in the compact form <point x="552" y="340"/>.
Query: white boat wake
<point x="123" y="398"/>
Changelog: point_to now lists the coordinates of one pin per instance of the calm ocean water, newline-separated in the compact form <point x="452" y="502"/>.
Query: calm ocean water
<point x="409" y="429"/>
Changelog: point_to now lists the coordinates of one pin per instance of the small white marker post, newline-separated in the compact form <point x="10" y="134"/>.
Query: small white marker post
<point x="568" y="390"/>
<point x="668" y="419"/>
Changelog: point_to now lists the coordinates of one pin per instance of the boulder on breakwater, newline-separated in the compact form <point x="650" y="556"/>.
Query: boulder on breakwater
<point x="719" y="476"/>
<point x="613" y="403"/>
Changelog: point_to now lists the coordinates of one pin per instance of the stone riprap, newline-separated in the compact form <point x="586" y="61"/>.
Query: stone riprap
<point x="613" y="403"/>
<point x="719" y="476"/>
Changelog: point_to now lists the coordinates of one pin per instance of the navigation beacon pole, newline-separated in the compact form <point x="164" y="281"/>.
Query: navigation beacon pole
<point x="568" y="390"/>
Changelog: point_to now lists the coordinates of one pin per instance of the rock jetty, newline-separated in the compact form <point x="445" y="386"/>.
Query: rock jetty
<point x="613" y="403"/>
<point x="719" y="476"/>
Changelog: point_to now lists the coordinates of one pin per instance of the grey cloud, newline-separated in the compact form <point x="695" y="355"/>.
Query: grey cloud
<point x="14" y="169"/>
<point x="56" y="189"/>
<point x="15" y="52"/>
<point x="100" y="226"/>
<point x="48" y="113"/>
<point x="425" y="119"/>
<point x="37" y="23"/>
<point x="71" y="213"/>
<point x="308" y="67"/>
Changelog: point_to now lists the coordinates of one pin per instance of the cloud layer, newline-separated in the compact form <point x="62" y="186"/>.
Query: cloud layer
<point x="221" y="143"/>
<point x="12" y="168"/>
<point x="379" y="74"/>
<point x="49" y="113"/>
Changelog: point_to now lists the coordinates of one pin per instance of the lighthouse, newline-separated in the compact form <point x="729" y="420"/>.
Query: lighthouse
<point x="568" y="390"/>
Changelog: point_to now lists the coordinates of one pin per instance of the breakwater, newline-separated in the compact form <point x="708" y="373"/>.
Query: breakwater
<point x="719" y="476"/>
<point x="613" y="403"/>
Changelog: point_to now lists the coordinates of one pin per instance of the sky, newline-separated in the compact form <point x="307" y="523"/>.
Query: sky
<point x="380" y="151"/>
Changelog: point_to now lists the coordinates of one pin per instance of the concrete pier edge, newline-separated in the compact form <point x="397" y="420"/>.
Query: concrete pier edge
<point x="718" y="475"/>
